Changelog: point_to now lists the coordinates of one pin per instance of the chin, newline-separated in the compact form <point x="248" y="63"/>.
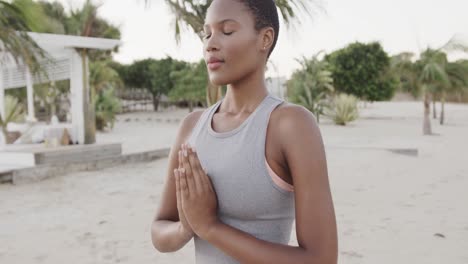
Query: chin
<point x="219" y="80"/>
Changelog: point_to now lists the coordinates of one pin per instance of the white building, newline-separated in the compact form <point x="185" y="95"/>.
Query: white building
<point x="66" y="63"/>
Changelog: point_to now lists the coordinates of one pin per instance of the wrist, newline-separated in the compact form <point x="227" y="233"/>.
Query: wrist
<point x="186" y="234"/>
<point x="211" y="230"/>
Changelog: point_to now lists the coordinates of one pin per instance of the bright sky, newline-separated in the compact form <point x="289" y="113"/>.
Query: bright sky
<point x="399" y="25"/>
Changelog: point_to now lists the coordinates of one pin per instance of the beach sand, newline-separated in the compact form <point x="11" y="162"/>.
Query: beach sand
<point x="390" y="208"/>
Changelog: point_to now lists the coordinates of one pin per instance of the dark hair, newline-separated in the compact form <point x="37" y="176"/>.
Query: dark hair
<point x="266" y="15"/>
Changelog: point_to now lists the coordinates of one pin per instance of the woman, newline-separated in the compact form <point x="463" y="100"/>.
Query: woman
<point x="231" y="186"/>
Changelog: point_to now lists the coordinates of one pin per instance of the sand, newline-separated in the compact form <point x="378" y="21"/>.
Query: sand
<point x="390" y="208"/>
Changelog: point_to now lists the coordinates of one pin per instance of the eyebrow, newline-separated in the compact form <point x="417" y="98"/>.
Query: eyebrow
<point x="222" y="22"/>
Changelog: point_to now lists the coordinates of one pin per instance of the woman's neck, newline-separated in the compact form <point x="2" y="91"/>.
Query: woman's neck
<point x="245" y="95"/>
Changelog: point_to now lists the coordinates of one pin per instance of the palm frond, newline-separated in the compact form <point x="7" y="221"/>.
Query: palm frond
<point x="14" y="38"/>
<point x="192" y="13"/>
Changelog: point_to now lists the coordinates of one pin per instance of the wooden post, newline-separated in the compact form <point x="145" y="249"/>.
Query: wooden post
<point x="30" y="94"/>
<point x="76" y="89"/>
<point x="2" y="95"/>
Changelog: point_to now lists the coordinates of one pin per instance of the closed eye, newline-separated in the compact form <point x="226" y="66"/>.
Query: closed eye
<point x="207" y="36"/>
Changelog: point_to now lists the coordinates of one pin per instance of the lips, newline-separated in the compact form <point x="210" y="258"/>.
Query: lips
<point x="214" y="63"/>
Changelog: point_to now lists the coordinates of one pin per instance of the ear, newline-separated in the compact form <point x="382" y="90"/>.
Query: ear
<point x="267" y="36"/>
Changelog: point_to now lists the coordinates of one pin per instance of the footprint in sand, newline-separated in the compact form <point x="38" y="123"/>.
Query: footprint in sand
<point x="359" y="189"/>
<point x="40" y="258"/>
<point x="351" y="254"/>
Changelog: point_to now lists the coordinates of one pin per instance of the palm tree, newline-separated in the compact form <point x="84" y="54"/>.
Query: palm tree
<point x="81" y="23"/>
<point x="192" y="14"/>
<point x="311" y="85"/>
<point x="104" y="80"/>
<point x="85" y="22"/>
<point x="413" y="79"/>
<point x="102" y="76"/>
<point x="457" y="75"/>
<point x="14" y="40"/>
<point x="433" y="74"/>
<point x="443" y="77"/>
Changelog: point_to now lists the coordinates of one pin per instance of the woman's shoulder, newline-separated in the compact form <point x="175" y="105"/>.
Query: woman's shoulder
<point x="188" y="123"/>
<point x="288" y="113"/>
<point x="291" y="121"/>
<point x="192" y="118"/>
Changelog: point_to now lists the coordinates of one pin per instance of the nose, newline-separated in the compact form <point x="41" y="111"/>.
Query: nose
<point x="211" y="44"/>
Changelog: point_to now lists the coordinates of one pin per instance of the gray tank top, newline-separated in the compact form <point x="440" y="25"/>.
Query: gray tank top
<point x="248" y="198"/>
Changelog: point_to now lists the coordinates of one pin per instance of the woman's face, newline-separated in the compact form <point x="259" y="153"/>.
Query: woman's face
<point x="231" y="45"/>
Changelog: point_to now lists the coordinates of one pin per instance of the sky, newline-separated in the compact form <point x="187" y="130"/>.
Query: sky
<point x="399" y="25"/>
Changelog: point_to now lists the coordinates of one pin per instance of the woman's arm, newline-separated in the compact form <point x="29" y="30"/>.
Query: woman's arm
<point x="169" y="236"/>
<point x="303" y="148"/>
<point x="167" y="232"/>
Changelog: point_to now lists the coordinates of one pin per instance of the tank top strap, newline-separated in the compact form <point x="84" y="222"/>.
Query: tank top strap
<point x="262" y="118"/>
<point x="201" y="123"/>
<point x="259" y="128"/>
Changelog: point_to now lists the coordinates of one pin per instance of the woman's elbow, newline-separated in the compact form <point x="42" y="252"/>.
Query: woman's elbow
<point x="157" y="242"/>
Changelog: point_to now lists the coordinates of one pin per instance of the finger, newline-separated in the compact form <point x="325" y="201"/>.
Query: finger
<point x="204" y="179"/>
<point x="196" y="165"/>
<point x="183" y="185"/>
<point x="178" y="194"/>
<point x="209" y="183"/>
<point x="197" y="175"/>
<point x="177" y="182"/>
<point x="188" y="172"/>
<point x="180" y="158"/>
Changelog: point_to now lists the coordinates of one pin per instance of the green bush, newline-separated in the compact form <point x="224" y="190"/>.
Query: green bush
<point x="363" y="70"/>
<point x="107" y="105"/>
<point x="311" y="85"/>
<point x="343" y="109"/>
<point x="14" y="112"/>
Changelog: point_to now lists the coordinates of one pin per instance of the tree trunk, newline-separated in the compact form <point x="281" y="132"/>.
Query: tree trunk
<point x="434" y="110"/>
<point x="442" y="108"/>
<point x="155" y="102"/>
<point x="427" y="121"/>
<point x="88" y="103"/>
<point x="190" y="105"/>
<point x="5" y="135"/>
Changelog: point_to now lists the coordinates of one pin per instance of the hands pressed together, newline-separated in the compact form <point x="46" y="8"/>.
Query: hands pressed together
<point x="196" y="198"/>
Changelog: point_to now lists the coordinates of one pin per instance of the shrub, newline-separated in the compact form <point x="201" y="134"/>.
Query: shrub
<point x="343" y="109"/>
<point x="107" y="105"/>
